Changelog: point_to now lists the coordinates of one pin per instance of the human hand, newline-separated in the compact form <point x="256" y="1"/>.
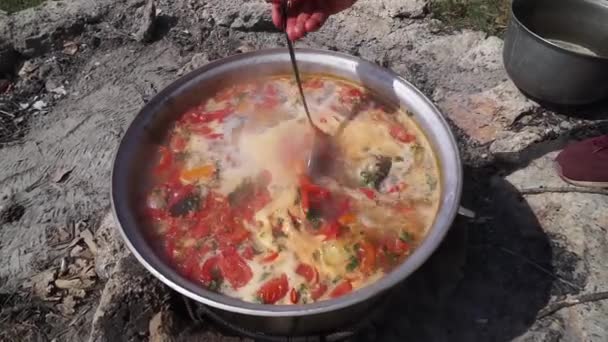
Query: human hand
<point x="305" y="16"/>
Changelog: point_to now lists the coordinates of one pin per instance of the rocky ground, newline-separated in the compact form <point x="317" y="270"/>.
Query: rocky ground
<point x="530" y="266"/>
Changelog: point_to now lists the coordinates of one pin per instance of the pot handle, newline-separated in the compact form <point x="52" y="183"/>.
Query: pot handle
<point x="462" y="211"/>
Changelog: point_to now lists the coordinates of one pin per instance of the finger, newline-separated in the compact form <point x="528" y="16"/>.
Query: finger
<point x="277" y="18"/>
<point x="315" y="22"/>
<point x="299" y="29"/>
<point x="291" y="25"/>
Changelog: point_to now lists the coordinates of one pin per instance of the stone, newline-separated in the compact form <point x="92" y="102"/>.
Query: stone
<point x="395" y="8"/>
<point x="578" y="224"/>
<point x="110" y="247"/>
<point x="484" y="115"/>
<point x="161" y="326"/>
<point x="197" y="61"/>
<point x="8" y="59"/>
<point x="508" y="142"/>
<point x="147" y="22"/>
<point x="129" y="300"/>
<point x="242" y="16"/>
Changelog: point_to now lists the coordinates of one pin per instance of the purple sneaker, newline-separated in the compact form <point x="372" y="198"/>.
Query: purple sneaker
<point x="585" y="163"/>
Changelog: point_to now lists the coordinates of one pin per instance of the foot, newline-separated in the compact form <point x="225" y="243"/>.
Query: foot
<point x="585" y="163"/>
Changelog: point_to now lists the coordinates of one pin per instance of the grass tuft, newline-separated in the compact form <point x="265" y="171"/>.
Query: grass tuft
<point x="12" y="6"/>
<point x="490" y="16"/>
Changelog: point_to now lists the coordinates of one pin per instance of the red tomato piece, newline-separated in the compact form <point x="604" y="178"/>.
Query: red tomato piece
<point x="234" y="268"/>
<point x="210" y="270"/>
<point x="170" y="249"/>
<point x="165" y="161"/>
<point x="367" y="254"/>
<point x="233" y="236"/>
<point x="331" y="230"/>
<point x="399" y="133"/>
<point x="308" y="272"/>
<point x="274" y="289"/>
<point x="294" y="296"/>
<point x="317" y="291"/>
<point x="157" y="214"/>
<point x="201" y="230"/>
<point x="343" y="288"/>
<point x="369" y="193"/>
<point x="270" y="257"/>
<point x="179" y="193"/>
<point x="396" y="245"/>
<point x="177" y="143"/>
<point x="192" y="260"/>
<point x="265" y="177"/>
<point x="197" y="117"/>
<point x="248" y="253"/>
<point x="350" y="94"/>
<point x="315" y="83"/>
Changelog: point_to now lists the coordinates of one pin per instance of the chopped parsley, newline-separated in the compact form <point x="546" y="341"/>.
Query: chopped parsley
<point x="314" y="219"/>
<point x="352" y="264"/>
<point x="431" y="182"/>
<point x="418" y="151"/>
<point x="264" y="276"/>
<point x="316" y="255"/>
<point x="187" y="204"/>
<point x="406" y="237"/>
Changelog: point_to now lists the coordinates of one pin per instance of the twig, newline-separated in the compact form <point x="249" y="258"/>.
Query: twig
<point x="568" y="302"/>
<point x="545" y="189"/>
<point x="540" y="268"/>
<point x="7" y="113"/>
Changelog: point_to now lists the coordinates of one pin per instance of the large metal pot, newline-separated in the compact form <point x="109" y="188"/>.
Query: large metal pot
<point x="151" y="123"/>
<point x="556" y="51"/>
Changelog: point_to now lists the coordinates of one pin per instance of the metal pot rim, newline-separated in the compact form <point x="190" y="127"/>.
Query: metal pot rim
<point x="549" y="43"/>
<point x="445" y="216"/>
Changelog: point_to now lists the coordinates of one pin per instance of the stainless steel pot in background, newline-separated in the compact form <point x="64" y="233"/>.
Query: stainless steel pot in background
<point x="150" y="125"/>
<point x="556" y="51"/>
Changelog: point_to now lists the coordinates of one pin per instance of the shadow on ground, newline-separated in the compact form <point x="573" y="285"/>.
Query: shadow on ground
<point x="481" y="285"/>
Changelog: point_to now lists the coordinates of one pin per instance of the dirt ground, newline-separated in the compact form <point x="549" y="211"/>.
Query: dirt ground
<point x="530" y="266"/>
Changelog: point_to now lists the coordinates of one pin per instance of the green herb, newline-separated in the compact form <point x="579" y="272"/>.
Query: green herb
<point x="336" y="280"/>
<point x="406" y="237"/>
<point x="258" y="299"/>
<point x="375" y="173"/>
<point x="216" y="281"/>
<point x="353" y="264"/>
<point x="303" y="288"/>
<point x="189" y="203"/>
<point x="431" y="182"/>
<point x="242" y="192"/>
<point x="313" y="217"/>
<point x="399" y="158"/>
<point x="214" y="285"/>
<point x="241" y="96"/>
<point x="264" y="276"/>
<point x="418" y="151"/>
<point x="316" y="255"/>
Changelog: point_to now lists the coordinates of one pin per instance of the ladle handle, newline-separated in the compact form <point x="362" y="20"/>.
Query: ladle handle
<point x="292" y="54"/>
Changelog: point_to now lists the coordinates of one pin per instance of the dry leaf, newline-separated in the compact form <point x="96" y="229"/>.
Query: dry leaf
<point x="67" y="306"/>
<point x="70" y="48"/>
<point x="76" y="251"/>
<point x="89" y="240"/>
<point x="42" y="283"/>
<point x="68" y="284"/>
<point x="62" y="175"/>
<point x="77" y="293"/>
